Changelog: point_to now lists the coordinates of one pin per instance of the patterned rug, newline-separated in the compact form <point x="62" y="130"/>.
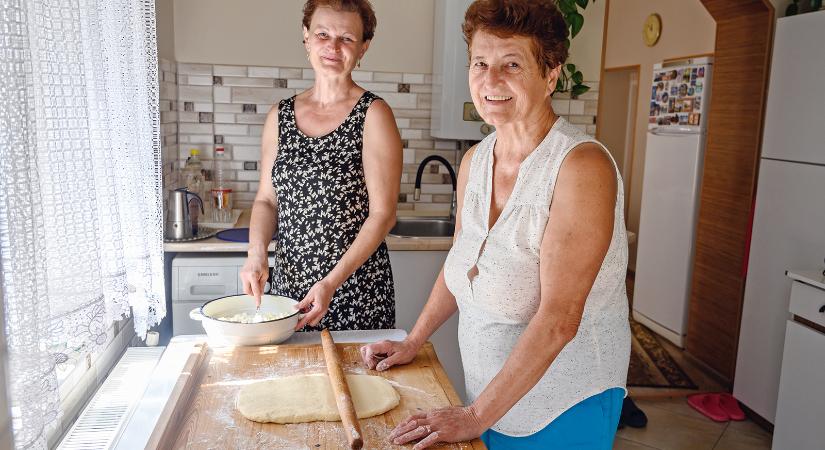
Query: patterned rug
<point x="650" y="364"/>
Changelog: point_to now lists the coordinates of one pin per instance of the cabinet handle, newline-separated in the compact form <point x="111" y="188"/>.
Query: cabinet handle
<point x="822" y="309"/>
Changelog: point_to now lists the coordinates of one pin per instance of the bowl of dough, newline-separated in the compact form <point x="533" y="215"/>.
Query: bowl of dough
<point x="234" y="320"/>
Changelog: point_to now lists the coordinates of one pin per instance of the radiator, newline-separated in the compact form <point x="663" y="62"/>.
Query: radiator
<point x="101" y="421"/>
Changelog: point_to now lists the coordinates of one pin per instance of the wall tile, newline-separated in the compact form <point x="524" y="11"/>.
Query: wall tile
<point x="417" y="78"/>
<point x="194" y="69"/>
<point x="388" y="77"/>
<point x="195" y="128"/>
<point x="198" y="80"/>
<point x="238" y="108"/>
<point x="259" y="95"/>
<point x="248" y="82"/>
<point x="299" y="84"/>
<point x="230" y="71"/>
<point x="379" y="87"/>
<point x="360" y="75"/>
<point x="228" y="108"/>
<point x="231" y="130"/>
<point x="222" y="94"/>
<point x="248" y="175"/>
<point x="290" y="73"/>
<point x="264" y="72"/>
<point x="195" y="93"/>
<point x="400" y="100"/>
<point x="224" y="117"/>
<point x="246" y="152"/>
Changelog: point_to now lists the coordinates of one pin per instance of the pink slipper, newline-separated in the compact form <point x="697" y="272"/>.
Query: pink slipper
<point x="731" y="406"/>
<point x="708" y="404"/>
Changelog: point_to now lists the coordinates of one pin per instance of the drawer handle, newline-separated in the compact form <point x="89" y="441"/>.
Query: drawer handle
<point x="822" y="309"/>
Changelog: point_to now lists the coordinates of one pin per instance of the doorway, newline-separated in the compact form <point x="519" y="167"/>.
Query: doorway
<point x="619" y="92"/>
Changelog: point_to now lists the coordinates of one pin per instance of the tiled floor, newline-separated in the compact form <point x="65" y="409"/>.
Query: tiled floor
<point x="672" y="424"/>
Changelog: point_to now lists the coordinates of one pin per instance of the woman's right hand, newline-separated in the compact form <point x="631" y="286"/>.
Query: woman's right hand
<point x="253" y="274"/>
<point x="382" y="355"/>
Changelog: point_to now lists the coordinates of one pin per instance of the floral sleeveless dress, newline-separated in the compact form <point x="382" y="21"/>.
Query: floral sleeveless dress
<point x="322" y="204"/>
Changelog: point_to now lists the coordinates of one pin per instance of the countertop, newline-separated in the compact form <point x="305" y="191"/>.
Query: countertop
<point x="214" y="244"/>
<point x="814" y="278"/>
<point x="136" y="432"/>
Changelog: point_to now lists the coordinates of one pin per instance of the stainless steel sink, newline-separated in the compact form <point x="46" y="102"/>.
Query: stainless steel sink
<point x="413" y="227"/>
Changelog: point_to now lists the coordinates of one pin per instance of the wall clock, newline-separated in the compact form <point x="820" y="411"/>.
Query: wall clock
<point x="652" y="29"/>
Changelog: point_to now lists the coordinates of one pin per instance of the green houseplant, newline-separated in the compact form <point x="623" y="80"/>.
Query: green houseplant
<point x="571" y="79"/>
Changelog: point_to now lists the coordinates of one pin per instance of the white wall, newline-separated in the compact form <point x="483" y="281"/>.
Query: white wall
<point x="164" y="16"/>
<point x="586" y="47"/>
<point x="687" y="30"/>
<point x="268" y="33"/>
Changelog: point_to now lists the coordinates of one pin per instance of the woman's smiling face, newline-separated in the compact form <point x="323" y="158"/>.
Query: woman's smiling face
<point x="334" y="40"/>
<point x="506" y="81"/>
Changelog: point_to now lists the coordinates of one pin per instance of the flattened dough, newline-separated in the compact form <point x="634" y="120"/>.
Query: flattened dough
<point x="309" y="398"/>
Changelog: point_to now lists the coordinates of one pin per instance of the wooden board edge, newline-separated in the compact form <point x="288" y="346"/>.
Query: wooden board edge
<point x="163" y="436"/>
<point x="447" y="386"/>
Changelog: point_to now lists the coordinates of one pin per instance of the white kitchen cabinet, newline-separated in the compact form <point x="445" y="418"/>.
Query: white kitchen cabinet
<point x="414" y="273"/>
<point x="801" y="401"/>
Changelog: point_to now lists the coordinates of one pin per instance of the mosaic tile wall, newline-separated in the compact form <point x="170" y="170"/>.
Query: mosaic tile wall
<point x="216" y="105"/>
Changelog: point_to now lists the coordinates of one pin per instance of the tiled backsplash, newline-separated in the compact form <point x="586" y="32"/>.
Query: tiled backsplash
<point x="204" y="106"/>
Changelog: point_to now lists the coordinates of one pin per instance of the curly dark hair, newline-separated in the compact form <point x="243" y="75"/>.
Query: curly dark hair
<point x="362" y="7"/>
<point x="539" y="20"/>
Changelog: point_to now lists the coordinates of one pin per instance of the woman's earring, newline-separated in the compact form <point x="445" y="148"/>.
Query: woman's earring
<point x="358" y="63"/>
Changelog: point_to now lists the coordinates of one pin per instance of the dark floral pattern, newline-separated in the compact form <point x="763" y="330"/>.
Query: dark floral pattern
<point x="322" y="204"/>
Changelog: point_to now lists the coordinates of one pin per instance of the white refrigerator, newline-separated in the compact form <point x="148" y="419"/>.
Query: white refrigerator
<point x="679" y="98"/>
<point x="789" y="218"/>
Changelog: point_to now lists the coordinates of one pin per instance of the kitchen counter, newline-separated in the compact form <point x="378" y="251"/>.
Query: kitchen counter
<point x="814" y="278"/>
<point x="214" y="244"/>
<point x="168" y="370"/>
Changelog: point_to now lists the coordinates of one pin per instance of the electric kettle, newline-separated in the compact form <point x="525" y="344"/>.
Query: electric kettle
<point x="178" y="220"/>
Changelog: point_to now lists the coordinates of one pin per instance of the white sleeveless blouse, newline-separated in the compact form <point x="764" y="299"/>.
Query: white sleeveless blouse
<point x="498" y="303"/>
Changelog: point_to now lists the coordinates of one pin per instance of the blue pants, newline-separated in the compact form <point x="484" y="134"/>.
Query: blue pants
<point x="588" y="425"/>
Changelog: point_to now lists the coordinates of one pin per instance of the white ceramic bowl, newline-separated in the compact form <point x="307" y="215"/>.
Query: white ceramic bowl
<point x="224" y="332"/>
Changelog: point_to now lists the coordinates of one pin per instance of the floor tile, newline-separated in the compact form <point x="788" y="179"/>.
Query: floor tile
<point x="668" y="430"/>
<point x="624" y="444"/>
<point x="744" y="435"/>
<point x="676" y="405"/>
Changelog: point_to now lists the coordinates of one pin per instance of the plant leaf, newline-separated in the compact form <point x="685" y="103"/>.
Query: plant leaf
<point x="582" y="3"/>
<point x="566" y="6"/>
<point x="570" y="67"/>
<point x="576" y="22"/>
<point x="578" y="90"/>
<point x="577" y="77"/>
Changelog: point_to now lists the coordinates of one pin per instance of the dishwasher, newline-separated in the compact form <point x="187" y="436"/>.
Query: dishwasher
<point x="200" y="277"/>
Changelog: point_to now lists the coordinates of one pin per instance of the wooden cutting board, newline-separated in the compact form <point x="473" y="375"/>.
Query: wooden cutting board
<point x="201" y="412"/>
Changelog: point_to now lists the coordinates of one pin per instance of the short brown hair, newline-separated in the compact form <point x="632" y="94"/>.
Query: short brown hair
<point x="539" y="20"/>
<point x="362" y="7"/>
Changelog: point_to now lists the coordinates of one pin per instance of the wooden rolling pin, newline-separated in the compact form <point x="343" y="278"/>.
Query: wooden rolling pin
<point x="340" y="389"/>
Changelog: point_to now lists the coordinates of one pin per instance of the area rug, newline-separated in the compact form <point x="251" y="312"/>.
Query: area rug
<point x="650" y="363"/>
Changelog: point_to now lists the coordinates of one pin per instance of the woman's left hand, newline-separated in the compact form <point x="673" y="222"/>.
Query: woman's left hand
<point x="453" y="424"/>
<point x="315" y="304"/>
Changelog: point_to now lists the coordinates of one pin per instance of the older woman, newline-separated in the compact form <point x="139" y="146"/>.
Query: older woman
<point x="330" y="176"/>
<point x="537" y="267"/>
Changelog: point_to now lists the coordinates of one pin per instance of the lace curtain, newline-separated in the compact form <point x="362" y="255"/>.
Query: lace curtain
<point x="80" y="171"/>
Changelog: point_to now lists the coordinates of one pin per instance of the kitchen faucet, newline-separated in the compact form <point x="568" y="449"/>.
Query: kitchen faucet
<point x="417" y="193"/>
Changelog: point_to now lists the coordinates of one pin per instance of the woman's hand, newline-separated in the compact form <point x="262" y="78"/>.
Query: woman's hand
<point x="253" y="274"/>
<point x="382" y="355"/>
<point x="453" y="424"/>
<point x="315" y="304"/>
